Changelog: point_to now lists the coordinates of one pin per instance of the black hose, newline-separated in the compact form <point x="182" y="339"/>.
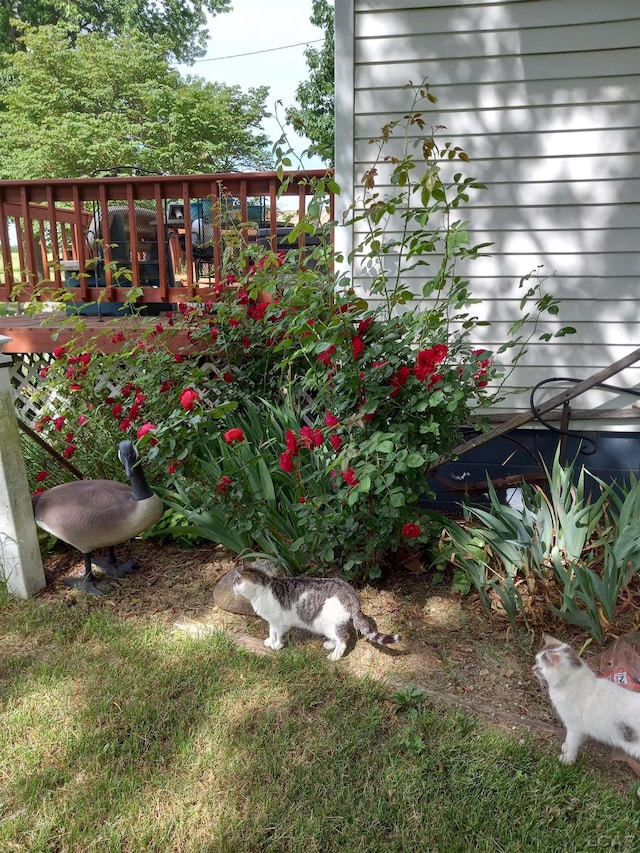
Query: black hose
<point x="584" y="440"/>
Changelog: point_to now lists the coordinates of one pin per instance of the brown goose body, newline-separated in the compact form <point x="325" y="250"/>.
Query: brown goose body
<point x="92" y="514"/>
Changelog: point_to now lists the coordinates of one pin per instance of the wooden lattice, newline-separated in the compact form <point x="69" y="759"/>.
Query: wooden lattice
<point x="31" y="403"/>
<point x="25" y="377"/>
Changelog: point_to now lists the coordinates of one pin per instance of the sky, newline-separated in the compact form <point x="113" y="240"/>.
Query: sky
<point x="262" y="43"/>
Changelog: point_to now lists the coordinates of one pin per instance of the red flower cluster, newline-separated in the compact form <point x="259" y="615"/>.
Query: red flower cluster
<point x="483" y="366"/>
<point x="325" y="355"/>
<point x="235" y="434"/>
<point x="427" y="361"/>
<point x="223" y="484"/>
<point x="349" y="477"/>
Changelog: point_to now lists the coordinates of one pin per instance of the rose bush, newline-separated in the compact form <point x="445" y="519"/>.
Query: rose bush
<point x="287" y="413"/>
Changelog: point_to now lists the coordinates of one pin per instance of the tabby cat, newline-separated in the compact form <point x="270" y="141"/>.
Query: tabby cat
<point x="323" y="606"/>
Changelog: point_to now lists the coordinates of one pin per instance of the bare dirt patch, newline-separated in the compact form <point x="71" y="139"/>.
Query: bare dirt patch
<point x="450" y="649"/>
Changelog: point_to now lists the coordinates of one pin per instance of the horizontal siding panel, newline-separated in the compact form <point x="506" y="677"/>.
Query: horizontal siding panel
<point x="544" y="193"/>
<point x="528" y="241"/>
<point x="546" y="94"/>
<point x="363" y="6"/>
<point x="397" y="71"/>
<point x="484" y="17"/>
<point x="507" y="143"/>
<point x="549" y="119"/>
<point x="515" y="266"/>
<point x="543" y="41"/>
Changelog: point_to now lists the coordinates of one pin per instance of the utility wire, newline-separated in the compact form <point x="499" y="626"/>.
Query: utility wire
<point x="255" y="52"/>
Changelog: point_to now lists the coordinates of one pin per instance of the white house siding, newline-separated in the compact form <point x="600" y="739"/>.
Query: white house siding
<point x="544" y="96"/>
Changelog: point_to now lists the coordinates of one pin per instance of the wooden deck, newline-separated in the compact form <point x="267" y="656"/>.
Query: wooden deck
<point x="42" y="333"/>
<point x="166" y="236"/>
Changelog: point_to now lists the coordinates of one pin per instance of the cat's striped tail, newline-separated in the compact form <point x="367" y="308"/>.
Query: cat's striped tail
<point x="362" y="626"/>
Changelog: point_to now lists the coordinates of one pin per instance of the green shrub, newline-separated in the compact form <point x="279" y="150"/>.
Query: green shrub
<point x="574" y="553"/>
<point x="369" y="392"/>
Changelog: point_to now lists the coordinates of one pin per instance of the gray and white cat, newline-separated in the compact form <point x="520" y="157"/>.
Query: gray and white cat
<point x="323" y="606"/>
<point x="589" y="707"/>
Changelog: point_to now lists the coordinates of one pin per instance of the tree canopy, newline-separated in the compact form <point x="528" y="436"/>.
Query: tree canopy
<point x="69" y="112"/>
<point x="177" y="27"/>
<point x="314" y="117"/>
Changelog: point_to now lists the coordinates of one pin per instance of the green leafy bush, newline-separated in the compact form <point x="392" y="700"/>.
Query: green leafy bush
<point x="343" y="403"/>
<point x="561" y="549"/>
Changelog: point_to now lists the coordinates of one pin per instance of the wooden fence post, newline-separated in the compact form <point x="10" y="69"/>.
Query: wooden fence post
<point x="20" y="559"/>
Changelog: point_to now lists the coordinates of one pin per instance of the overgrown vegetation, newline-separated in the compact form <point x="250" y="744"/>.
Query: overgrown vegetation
<point x="571" y="548"/>
<point x="119" y="738"/>
<point x="371" y="390"/>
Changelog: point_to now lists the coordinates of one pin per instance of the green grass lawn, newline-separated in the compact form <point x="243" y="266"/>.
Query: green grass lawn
<point x="119" y="737"/>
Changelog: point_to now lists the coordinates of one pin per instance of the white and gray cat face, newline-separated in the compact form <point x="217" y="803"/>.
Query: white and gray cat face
<point x="589" y="707"/>
<point x="555" y="661"/>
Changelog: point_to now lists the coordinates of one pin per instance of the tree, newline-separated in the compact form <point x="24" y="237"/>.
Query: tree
<point x="103" y="103"/>
<point x="177" y="27"/>
<point x="314" y="117"/>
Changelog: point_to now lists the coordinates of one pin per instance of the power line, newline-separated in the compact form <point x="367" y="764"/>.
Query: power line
<point x="254" y="52"/>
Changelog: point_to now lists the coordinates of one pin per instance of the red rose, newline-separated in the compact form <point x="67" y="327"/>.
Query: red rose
<point x="349" y="477"/>
<point x="223" y="483"/>
<point x="188" y="399"/>
<point x="325" y="355"/>
<point x="291" y="440"/>
<point x="69" y="451"/>
<point x="363" y="325"/>
<point x="306" y="434"/>
<point x="286" y="462"/>
<point x="399" y="379"/>
<point x="257" y="312"/>
<point x="411" y="531"/>
<point x="116" y="410"/>
<point x="234" y="434"/>
<point x="357" y="347"/>
<point x="336" y="442"/>
<point x="58" y="423"/>
<point x="41" y="475"/>
<point x="330" y="420"/>
<point x="144" y="429"/>
<point x="440" y="352"/>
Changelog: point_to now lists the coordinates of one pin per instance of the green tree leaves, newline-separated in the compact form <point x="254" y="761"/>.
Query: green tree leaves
<point x="177" y="27"/>
<point x="104" y="102"/>
<point x="314" y="117"/>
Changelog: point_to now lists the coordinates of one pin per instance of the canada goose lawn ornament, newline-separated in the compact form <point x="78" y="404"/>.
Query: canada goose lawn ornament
<point x="91" y="514"/>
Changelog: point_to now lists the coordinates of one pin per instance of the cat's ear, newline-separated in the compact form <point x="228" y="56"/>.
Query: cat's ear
<point x="551" y="642"/>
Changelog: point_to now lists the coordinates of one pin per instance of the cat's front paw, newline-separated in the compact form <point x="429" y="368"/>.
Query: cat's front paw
<point x="276" y="645"/>
<point x="337" y="653"/>
<point x="567" y="757"/>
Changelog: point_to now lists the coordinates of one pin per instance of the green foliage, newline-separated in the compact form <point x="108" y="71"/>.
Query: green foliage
<point x="117" y="735"/>
<point x="337" y="405"/>
<point x="178" y="28"/>
<point x="314" y="115"/>
<point x="575" y="553"/>
<point x="107" y="102"/>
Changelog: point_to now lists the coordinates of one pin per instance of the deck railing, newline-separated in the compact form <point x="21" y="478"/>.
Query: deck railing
<point x="93" y="235"/>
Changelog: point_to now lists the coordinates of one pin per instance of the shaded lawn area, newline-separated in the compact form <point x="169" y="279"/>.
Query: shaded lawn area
<point x="116" y="736"/>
